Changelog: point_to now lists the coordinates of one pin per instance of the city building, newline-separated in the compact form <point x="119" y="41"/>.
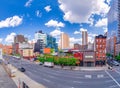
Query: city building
<point x="39" y="46"/>
<point x="100" y="49"/>
<point x="44" y="41"/>
<point x="118" y="48"/>
<point x="84" y="40"/>
<point x="64" y="41"/>
<point x="113" y="34"/>
<point x="26" y="50"/>
<point x="90" y="46"/>
<point x="6" y="49"/>
<point x="20" y="39"/>
<point x="77" y="46"/>
<point x="89" y="58"/>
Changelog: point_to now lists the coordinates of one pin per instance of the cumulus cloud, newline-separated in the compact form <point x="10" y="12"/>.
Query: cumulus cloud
<point x="80" y="30"/>
<point x="11" y="22"/>
<point x="101" y="22"/>
<point x="28" y="3"/>
<point x="80" y="11"/>
<point x="54" y="23"/>
<point x="10" y="38"/>
<point x="75" y="40"/>
<point x="48" y="8"/>
<point x="1" y="39"/>
<point x="55" y="33"/>
<point x="77" y="32"/>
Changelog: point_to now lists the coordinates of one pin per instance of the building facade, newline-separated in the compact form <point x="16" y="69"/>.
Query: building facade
<point x="100" y="52"/>
<point x="64" y="41"/>
<point x="84" y="38"/>
<point x="44" y="41"/>
<point x="77" y="46"/>
<point x="113" y="35"/>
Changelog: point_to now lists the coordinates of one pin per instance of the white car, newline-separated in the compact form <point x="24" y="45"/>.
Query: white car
<point x="49" y="64"/>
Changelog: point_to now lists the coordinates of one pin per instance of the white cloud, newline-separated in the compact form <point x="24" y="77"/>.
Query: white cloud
<point x="11" y="22"/>
<point x="10" y="38"/>
<point x="28" y="3"/>
<point x="38" y="14"/>
<point x="80" y="11"/>
<point x="77" y="32"/>
<point x="75" y="40"/>
<point x="105" y="29"/>
<point x="55" y="33"/>
<point x="1" y="39"/>
<point x="48" y="8"/>
<point x="82" y="29"/>
<point x="101" y="22"/>
<point x="54" y="23"/>
<point x="31" y="41"/>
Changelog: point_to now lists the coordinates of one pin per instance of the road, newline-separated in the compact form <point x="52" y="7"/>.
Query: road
<point x="5" y="80"/>
<point x="56" y="78"/>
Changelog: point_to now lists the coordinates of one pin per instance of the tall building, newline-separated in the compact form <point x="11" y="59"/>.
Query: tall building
<point x="44" y="41"/>
<point x="77" y="46"/>
<point x="20" y="39"/>
<point x="113" y="35"/>
<point x="100" y="46"/>
<point x="84" y="40"/>
<point x="64" y="41"/>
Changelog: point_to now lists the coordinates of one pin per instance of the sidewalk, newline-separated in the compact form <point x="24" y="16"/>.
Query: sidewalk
<point x="5" y="80"/>
<point x="21" y="77"/>
<point x="81" y="68"/>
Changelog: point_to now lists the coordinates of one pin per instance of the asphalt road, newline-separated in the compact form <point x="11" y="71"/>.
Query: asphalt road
<point x="5" y="80"/>
<point x="56" y="78"/>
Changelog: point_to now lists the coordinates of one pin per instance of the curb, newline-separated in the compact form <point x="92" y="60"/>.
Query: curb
<point x="21" y="79"/>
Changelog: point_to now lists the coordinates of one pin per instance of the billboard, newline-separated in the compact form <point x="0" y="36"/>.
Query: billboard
<point x="1" y="57"/>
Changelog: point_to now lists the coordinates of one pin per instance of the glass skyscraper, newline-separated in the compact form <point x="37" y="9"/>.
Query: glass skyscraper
<point x="113" y="35"/>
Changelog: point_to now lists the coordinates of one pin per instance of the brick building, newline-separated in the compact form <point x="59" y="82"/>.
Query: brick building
<point x="100" y="46"/>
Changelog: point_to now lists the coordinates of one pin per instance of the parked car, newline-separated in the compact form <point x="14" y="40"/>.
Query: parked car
<point x="112" y="62"/>
<point x="49" y="64"/>
<point x="115" y="63"/>
<point x="22" y="69"/>
<point x="40" y="63"/>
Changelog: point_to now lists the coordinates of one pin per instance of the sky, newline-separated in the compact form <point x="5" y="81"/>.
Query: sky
<point x="53" y="17"/>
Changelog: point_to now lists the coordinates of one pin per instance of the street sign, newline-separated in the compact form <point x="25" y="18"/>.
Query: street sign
<point x="1" y="57"/>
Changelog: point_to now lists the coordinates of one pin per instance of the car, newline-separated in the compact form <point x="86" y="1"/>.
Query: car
<point x="115" y="63"/>
<point x="48" y="64"/>
<point x="22" y="69"/>
<point x="112" y="62"/>
<point x="40" y="63"/>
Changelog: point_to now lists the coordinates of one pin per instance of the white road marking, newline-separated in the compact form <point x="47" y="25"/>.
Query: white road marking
<point x="77" y="82"/>
<point x="88" y="76"/>
<point x="46" y="80"/>
<point x="100" y="76"/>
<point x="117" y="72"/>
<point x="113" y="86"/>
<point x="109" y="81"/>
<point x="112" y="78"/>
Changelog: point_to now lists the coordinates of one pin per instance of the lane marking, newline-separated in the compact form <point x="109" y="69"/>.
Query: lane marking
<point x="100" y="76"/>
<point x="77" y="82"/>
<point x="113" y="86"/>
<point x="112" y="78"/>
<point x="88" y="76"/>
<point x="109" y="81"/>
<point x="46" y="80"/>
<point x="117" y="72"/>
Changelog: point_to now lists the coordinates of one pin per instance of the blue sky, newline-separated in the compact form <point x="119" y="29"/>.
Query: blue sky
<point x="53" y="17"/>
